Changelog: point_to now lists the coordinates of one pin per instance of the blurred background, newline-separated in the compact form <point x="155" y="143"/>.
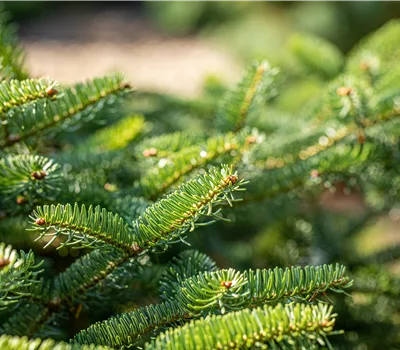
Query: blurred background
<point x="174" y="46"/>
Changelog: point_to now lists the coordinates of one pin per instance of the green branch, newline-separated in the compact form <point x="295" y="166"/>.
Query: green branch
<point x="187" y="264"/>
<point x="17" y="273"/>
<point x="219" y="292"/>
<point x="256" y="87"/>
<point x="24" y="343"/>
<point x="170" y="218"/>
<point x="293" y="326"/>
<point x="28" y="176"/>
<point x="159" y="179"/>
<point x="73" y="102"/>
<point x="86" y="227"/>
<point x="11" y="53"/>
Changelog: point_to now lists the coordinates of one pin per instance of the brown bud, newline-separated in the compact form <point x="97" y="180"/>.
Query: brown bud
<point x="364" y="65"/>
<point x="4" y="262"/>
<point x="314" y="173"/>
<point x="110" y="187"/>
<point x="344" y="91"/>
<point x="40" y="221"/>
<point x="135" y="248"/>
<point x="233" y="179"/>
<point x="251" y="139"/>
<point x="39" y="175"/>
<point x="151" y="152"/>
<point x="226" y="284"/>
<point x="20" y="200"/>
<point x="50" y="91"/>
<point x="126" y="86"/>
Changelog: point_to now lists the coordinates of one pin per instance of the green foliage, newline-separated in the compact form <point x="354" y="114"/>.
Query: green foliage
<point x="186" y="264"/>
<point x="289" y="327"/>
<point x="171" y="217"/>
<point x="316" y="55"/>
<point x="24" y="179"/>
<point x="169" y="171"/>
<point x="23" y="343"/>
<point x="79" y="102"/>
<point x="15" y="93"/>
<point x="82" y="226"/>
<point x="116" y="136"/>
<point x="257" y="86"/>
<point x="115" y="201"/>
<point x="17" y="272"/>
<point x="190" y="296"/>
<point x="11" y="54"/>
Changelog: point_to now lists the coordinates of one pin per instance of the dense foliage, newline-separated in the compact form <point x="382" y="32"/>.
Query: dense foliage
<point x="276" y="176"/>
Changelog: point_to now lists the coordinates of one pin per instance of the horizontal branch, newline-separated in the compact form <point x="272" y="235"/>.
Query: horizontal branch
<point x="81" y="98"/>
<point x="295" y="325"/>
<point x="218" y="292"/>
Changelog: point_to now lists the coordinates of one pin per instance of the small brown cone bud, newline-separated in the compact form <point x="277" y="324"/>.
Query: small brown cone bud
<point x="51" y="92"/>
<point x="151" y="152"/>
<point x="314" y="173"/>
<point x="40" y="221"/>
<point x="20" y="200"/>
<point x="364" y="66"/>
<point x="39" y="175"/>
<point x="226" y="284"/>
<point x="233" y="179"/>
<point x="4" y="262"/>
<point x="344" y="91"/>
<point x="251" y="139"/>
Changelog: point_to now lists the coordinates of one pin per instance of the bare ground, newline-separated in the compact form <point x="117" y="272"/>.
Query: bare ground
<point x="79" y="45"/>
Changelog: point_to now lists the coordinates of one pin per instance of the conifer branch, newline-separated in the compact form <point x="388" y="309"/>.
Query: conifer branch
<point x="290" y="326"/>
<point x="11" y="53"/>
<point x="316" y="55"/>
<point x="255" y="88"/>
<point x="30" y="176"/>
<point x="26" y="320"/>
<point x="116" y="136"/>
<point x="187" y="264"/>
<point x="17" y="273"/>
<point x="68" y="287"/>
<point x="158" y="180"/>
<point x="284" y="172"/>
<point x="15" y="93"/>
<point x="86" y="227"/>
<point x="86" y="272"/>
<point x="165" y="145"/>
<point x="375" y="54"/>
<point x="157" y="226"/>
<point x="220" y="291"/>
<point x="229" y="289"/>
<point x="170" y="218"/>
<point x="24" y="343"/>
<point x="75" y="102"/>
<point x="126" y="329"/>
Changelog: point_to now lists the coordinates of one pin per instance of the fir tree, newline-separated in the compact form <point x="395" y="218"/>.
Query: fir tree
<point x="108" y="201"/>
